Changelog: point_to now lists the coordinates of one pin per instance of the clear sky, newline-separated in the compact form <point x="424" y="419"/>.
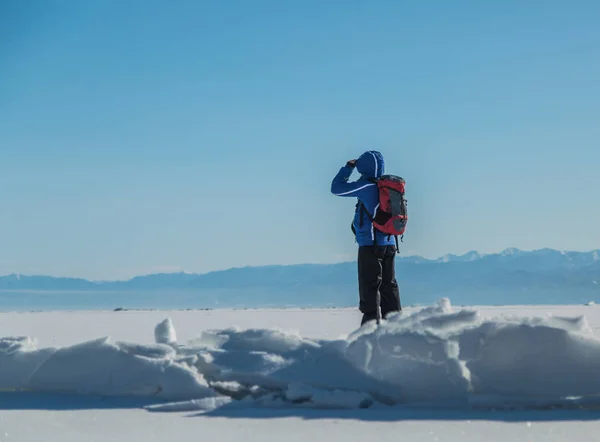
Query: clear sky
<point x="146" y="135"/>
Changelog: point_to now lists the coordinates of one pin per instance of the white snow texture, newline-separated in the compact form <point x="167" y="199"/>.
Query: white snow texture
<point x="433" y="356"/>
<point x="164" y="333"/>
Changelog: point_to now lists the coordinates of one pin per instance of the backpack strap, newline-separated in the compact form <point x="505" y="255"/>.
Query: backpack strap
<point x="363" y="211"/>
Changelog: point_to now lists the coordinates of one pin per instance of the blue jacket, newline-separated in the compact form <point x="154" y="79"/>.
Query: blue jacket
<point x="370" y="165"/>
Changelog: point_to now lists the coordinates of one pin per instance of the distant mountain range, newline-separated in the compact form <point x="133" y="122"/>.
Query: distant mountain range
<point x="511" y="277"/>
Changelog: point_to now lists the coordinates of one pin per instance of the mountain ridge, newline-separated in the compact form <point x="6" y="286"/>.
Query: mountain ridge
<point x="584" y="258"/>
<point x="512" y="276"/>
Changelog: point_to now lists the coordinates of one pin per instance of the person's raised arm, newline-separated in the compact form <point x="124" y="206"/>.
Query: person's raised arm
<point x="340" y="185"/>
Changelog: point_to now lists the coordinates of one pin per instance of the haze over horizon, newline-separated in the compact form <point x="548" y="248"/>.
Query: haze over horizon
<point x="512" y="277"/>
<point x="472" y="254"/>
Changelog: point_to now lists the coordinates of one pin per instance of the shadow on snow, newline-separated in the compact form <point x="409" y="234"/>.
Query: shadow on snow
<point x="404" y="413"/>
<point x="73" y="402"/>
<point x="69" y="401"/>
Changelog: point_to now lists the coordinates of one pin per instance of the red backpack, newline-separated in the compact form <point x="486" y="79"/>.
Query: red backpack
<point x="391" y="216"/>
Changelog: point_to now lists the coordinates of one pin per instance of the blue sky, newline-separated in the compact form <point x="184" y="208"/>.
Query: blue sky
<point x="147" y="136"/>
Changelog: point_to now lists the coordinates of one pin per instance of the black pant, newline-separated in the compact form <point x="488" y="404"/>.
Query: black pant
<point x="377" y="275"/>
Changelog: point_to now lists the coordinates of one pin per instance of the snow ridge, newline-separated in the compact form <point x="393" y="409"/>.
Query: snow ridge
<point x="434" y="356"/>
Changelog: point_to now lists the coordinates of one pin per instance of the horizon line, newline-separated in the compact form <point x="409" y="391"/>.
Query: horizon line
<point x="250" y="266"/>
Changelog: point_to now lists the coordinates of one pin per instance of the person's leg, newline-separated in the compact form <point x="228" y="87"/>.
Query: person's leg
<point x="369" y="281"/>
<point x="390" y="292"/>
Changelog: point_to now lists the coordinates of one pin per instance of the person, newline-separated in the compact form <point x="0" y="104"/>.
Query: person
<point x="376" y="250"/>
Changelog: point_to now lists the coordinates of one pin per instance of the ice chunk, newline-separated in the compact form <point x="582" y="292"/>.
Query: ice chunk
<point x="164" y="333"/>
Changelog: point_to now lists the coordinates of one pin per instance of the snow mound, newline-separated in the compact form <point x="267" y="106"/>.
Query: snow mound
<point x="99" y="367"/>
<point x="164" y="333"/>
<point x="435" y="355"/>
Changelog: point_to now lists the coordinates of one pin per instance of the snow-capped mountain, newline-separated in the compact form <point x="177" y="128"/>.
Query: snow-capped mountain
<point x="510" y="277"/>
<point x="470" y="256"/>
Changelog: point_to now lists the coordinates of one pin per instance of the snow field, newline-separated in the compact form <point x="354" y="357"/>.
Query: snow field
<point x="434" y="356"/>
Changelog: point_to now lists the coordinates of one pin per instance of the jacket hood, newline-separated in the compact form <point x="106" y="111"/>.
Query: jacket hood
<point x="370" y="164"/>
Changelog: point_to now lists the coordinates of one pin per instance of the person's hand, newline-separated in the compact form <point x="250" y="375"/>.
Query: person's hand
<point x="351" y="163"/>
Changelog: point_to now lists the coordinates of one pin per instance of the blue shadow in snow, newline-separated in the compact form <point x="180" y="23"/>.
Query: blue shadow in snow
<point x="73" y="402"/>
<point x="405" y="413"/>
<point x="68" y="401"/>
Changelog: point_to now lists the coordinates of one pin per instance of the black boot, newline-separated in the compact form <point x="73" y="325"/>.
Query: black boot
<point x="371" y="316"/>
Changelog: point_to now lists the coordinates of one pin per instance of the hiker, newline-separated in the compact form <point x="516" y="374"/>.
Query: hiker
<point x="376" y="250"/>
